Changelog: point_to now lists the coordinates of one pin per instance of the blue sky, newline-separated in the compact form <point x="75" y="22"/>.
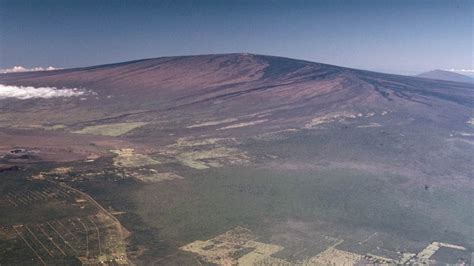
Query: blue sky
<point x="391" y="36"/>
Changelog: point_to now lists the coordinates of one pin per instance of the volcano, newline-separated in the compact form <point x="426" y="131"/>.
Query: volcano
<point x="304" y="155"/>
<point x="446" y="75"/>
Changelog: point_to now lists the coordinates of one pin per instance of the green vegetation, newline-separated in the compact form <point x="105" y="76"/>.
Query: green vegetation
<point x="128" y="158"/>
<point x="52" y="223"/>
<point x="54" y="127"/>
<point x="203" y="159"/>
<point x="113" y="130"/>
<point x="217" y="200"/>
<point x="205" y="153"/>
<point x="213" y="123"/>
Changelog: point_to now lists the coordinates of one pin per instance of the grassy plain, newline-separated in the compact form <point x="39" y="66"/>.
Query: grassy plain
<point x="114" y="130"/>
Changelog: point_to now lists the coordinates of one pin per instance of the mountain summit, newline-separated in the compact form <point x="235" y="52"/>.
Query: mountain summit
<point x="446" y="75"/>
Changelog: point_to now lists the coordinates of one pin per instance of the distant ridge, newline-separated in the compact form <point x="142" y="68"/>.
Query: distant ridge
<point x="446" y="75"/>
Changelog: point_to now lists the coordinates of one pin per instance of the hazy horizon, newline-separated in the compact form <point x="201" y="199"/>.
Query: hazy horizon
<point x="402" y="37"/>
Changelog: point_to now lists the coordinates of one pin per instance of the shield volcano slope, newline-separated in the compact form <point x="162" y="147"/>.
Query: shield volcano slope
<point x="243" y="87"/>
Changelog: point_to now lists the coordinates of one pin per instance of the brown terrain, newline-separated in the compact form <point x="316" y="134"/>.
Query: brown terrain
<point x="180" y="92"/>
<point x="361" y="166"/>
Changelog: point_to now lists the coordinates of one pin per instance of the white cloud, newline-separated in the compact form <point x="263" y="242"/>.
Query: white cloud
<point x="461" y="70"/>
<point x="22" y="92"/>
<point x="23" y="69"/>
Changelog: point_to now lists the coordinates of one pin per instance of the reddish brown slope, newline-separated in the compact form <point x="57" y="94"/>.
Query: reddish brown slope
<point x="220" y="86"/>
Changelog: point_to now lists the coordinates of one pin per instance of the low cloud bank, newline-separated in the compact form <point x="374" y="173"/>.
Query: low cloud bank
<point x="462" y="70"/>
<point x="23" y="69"/>
<point x="23" y="93"/>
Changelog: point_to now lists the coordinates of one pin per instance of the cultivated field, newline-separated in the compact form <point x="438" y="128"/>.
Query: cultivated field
<point x="49" y="223"/>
